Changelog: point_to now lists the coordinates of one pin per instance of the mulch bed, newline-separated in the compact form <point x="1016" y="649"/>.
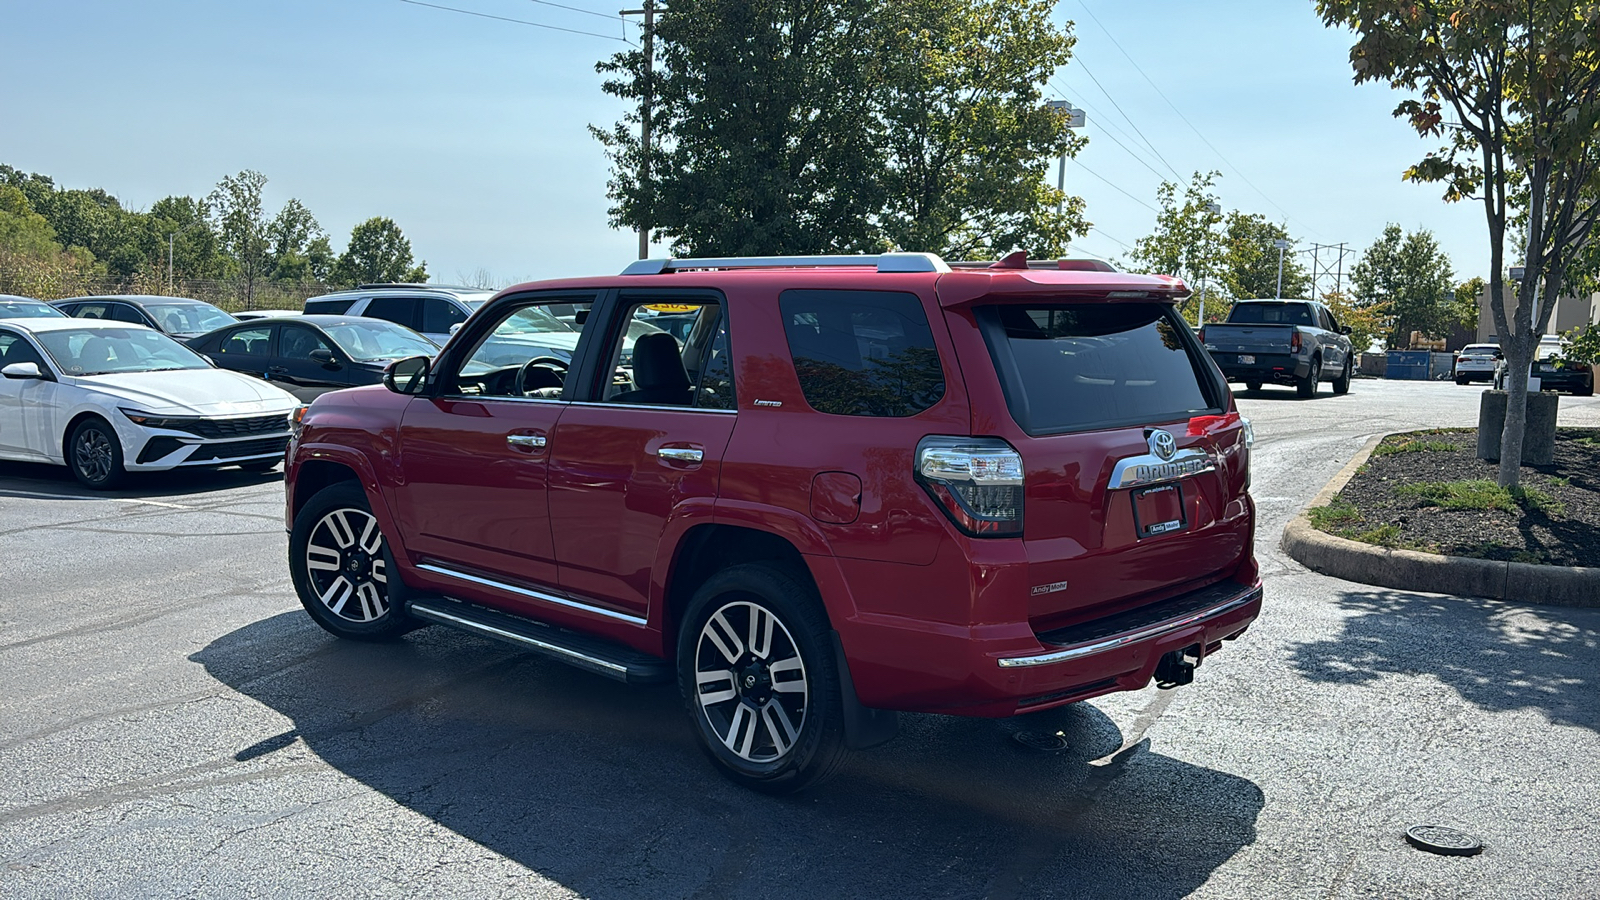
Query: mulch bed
<point x="1555" y="522"/>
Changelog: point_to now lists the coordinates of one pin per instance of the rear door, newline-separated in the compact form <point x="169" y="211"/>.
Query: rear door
<point x="1134" y="470"/>
<point x="246" y="350"/>
<point x="296" y="372"/>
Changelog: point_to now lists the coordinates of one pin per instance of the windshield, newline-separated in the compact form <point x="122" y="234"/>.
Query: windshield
<point x="187" y="318"/>
<point x="377" y="339"/>
<point x="29" y="309"/>
<point x="107" y="351"/>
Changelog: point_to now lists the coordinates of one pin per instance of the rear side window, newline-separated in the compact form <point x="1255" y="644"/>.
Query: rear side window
<point x="1076" y="366"/>
<point x="399" y="310"/>
<point x="862" y="353"/>
<point x="335" y="306"/>
<point x="438" y="315"/>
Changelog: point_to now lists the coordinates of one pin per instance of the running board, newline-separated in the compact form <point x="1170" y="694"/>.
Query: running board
<point x="591" y="654"/>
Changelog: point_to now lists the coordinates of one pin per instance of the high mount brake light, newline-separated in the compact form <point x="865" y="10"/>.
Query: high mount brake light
<point x="1202" y="425"/>
<point x="976" y="481"/>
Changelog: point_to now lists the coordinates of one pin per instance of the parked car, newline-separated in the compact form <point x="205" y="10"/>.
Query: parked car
<point x="428" y="309"/>
<point x="178" y="316"/>
<point x="311" y="355"/>
<point x="1552" y="370"/>
<point x="862" y="485"/>
<point x="1290" y="342"/>
<point x="250" y="314"/>
<point x="15" y="307"/>
<point x="108" y="398"/>
<point x="1476" y="362"/>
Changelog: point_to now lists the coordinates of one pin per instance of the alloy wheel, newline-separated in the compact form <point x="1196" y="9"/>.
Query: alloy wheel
<point x="93" y="454"/>
<point x="344" y="561"/>
<point x="750" y="681"/>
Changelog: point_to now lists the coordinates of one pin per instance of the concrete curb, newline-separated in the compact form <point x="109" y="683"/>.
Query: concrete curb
<point x="1408" y="570"/>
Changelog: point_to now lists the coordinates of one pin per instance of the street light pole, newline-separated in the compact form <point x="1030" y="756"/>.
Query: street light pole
<point x="1212" y="209"/>
<point x="1282" y="245"/>
<point x="170" y="236"/>
<point x="645" y="98"/>
<point x="1075" y="118"/>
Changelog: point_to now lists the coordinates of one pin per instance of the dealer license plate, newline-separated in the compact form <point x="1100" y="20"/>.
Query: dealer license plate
<point x="1247" y="360"/>
<point x="1158" y="509"/>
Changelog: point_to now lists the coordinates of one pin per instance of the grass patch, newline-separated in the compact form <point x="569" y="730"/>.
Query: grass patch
<point x="1477" y="493"/>
<point x="1383" y="536"/>
<point x="1335" y="515"/>
<point x="1411" y="445"/>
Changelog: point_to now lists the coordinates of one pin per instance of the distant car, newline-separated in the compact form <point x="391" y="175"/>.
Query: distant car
<point x="428" y="309"/>
<point x="107" y="398"/>
<point x="1476" y="362"/>
<point x="180" y="317"/>
<point x="311" y="355"/>
<point x="1553" y="372"/>
<point x="1289" y="342"/>
<point x="15" y="307"/>
<point x="249" y="314"/>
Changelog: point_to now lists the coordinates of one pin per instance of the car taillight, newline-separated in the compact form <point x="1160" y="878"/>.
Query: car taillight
<point x="977" y="481"/>
<point x="1294" y="342"/>
<point x="1202" y="334"/>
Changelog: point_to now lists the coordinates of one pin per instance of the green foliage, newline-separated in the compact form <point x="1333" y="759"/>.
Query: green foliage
<point x="242" y="227"/>
<point x="844" y="125"/>
<point x="1250" y="260"/>
<point x="1337" y="515"/>
<point x="23" y="232"/>
<point x="1583" y="345"/>
<point x="1366" y="323"/>
<point x="1409" y="279"/>
<point x="1383" y="536"/>
<point x="1185" y="242"/>
<point x="1477" y="493"/>
<point x="377" y="252"/>
<point x="1404" y="444"/>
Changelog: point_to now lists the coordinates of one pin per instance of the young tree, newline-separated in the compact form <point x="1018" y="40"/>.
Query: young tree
<point x="377" y="253"/>
<point x="242" y="227"/>
<point x="290" y="235"/>
<point x="1514" y="90"/>
<point x="186" y="223"/>
<point x="1185" y="242"/>
<point x="1249" y="267"/>
<point x="1409" y="278"/>
<point x="1366" y="323"/>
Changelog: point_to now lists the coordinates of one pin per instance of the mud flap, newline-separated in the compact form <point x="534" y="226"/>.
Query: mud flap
<point x="863" y="726"/>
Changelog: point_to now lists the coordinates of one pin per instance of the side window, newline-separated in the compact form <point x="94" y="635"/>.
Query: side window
<point x="399" y="310"/>
<point x="295" y="342"/>
<point x="652" y="366"/>
<point x="246" y="342"/>
<point x="438" y="315"/>
<point x="862" y="353"/>
<point x="122" y="312"/>
<point x="16" y="349"/>
<point x="525" y="354"/>
<point x="93" y="311"/>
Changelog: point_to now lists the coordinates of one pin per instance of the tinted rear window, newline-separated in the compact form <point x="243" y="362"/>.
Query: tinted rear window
<point x="1071" y="367"/>
<point x="334" y="307"/>
<point x="1272" y="314"/>
<point x="862" y="353"/>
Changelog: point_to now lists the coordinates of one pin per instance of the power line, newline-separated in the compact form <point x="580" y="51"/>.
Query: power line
<point x="1085" y="68"/>
<point x="587" y="12"/>
<point x="1096" y="229"/>
<point x="1185" y="118"/>
<point x="1110" y="125"/>
<point x="468" y="12"/>
<point x="1123" y="192"/>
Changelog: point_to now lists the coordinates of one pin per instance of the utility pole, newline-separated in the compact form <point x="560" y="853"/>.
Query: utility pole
<point x="1075" y="119"/>
<point x="645" y="97"/>
<point x="1212" y="209"/>
<point x="1322" y="272"/>
<point x="170" y="236"/>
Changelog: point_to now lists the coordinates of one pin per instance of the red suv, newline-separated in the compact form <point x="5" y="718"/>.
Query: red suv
<point x="858" y="485"/>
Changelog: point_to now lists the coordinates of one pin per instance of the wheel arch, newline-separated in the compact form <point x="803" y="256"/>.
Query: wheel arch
<point x="706" y="549"/>
<point x="78" y="419"/>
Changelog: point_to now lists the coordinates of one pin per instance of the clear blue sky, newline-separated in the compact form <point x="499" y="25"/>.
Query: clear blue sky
<point x="471" y="133"/>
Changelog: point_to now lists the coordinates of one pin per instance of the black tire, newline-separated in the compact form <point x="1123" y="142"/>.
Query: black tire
<point x="1341" y="384"/>
<point x="337" y="526"/>
<point x="1463" y="380"/>
<point x="1307" y="387"/>
<point x="94" y="453"/>
<point x="1252" y="385"/>
<point x="1587" y="390"/>
<point x="743" y="719"/>
<point x="260" y="465"/>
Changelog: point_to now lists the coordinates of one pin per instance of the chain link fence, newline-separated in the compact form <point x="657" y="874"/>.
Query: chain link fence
<point x="233" y="295"/>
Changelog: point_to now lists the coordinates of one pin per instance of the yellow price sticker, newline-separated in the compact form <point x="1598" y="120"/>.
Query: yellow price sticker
<point x="672" y="307"/>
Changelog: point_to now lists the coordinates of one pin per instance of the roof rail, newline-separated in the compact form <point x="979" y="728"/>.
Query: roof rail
<point x="415" y="285"/>
<point x="883" y="262"/>
<point x="1069" y="265"/>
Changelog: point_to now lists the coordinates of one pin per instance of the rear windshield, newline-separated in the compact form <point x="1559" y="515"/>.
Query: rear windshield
<point x="1271" y="314"/>
<point x="1075" y="366"/>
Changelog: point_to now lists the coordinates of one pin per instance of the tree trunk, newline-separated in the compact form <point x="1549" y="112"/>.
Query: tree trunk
<point x="1519" y="358"/>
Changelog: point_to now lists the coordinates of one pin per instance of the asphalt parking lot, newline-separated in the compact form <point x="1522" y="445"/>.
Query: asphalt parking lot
<point x="172" y="725"/>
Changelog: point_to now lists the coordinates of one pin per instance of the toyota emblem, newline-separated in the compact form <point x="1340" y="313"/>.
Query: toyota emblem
<point x="1163" y="444"/>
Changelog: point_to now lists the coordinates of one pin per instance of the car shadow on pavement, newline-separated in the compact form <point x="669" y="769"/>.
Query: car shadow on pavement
<point x="42" y="481"/>
<point x="1496" y="655"/>
<point x="600" y="786"/>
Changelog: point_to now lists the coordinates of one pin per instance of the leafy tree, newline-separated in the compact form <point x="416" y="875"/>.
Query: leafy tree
<point x="1366" y="323"/>
<point x="196" y="250"/>
<point x="1513" y="90"/>
<point x="1249" y="266"/>
<point x="290" y="236"/>
<point x="1185" y="242"/>
<point x="377" y="252"/>
<point x="843" y="125"/>
<point x="24" y="232"/>
<point x="1409" y="279"/>
<point x="242" y="227"/>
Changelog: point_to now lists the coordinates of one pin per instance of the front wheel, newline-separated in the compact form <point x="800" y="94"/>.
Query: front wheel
<point x="95" y="454"/>
<point x="1307" y="387"/>
<point x="341" y="566"/>
<point x="757" y="675"/>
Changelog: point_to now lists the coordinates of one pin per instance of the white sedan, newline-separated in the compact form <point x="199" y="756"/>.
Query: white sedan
<point x="106" y="398"/>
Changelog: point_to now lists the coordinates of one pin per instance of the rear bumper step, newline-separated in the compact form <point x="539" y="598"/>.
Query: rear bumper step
<point x="1138" y="625"/>
<point x="591" y="654"/>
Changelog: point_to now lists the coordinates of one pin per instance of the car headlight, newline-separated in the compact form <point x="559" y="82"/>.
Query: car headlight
<point x="151" y="420"/>
<point x="297" y="421"/>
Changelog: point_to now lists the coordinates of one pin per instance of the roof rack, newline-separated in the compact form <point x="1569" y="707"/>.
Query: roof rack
<point x="883" y="262"/>
<point x="417" y="286"/>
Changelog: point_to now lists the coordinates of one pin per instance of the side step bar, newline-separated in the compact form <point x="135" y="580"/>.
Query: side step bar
<point x="591" y="654"/>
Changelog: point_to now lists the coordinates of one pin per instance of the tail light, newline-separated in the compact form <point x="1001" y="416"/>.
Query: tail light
<point x="1202" y="334"/>
<point x="1294" y="342"/>
<point x="976" y="481"/>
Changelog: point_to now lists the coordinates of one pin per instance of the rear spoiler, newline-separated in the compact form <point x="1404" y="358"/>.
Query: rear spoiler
<point x="966" y="287"/>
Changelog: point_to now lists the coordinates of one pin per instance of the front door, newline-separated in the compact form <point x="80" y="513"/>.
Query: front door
<point x="647" y="448"/>
<point x="26" y="404"/>
<point x="296" y="372"/>
<point x="473" y="508"/>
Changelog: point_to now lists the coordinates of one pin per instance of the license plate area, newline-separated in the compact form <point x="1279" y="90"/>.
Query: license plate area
<point x="1247" y="360"/>
<point x="1158" y="509"/>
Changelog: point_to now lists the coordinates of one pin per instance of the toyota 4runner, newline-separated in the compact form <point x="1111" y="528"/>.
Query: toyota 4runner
<point x="859" y="485"/>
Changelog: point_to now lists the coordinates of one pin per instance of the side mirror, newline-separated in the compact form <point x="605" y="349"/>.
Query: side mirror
<point x="23" y="371"/>
<point x="407" y="376"/>
<point x="1344" y="329"/>
<point x="455" y="327"/>
<point x="325" y="358"/>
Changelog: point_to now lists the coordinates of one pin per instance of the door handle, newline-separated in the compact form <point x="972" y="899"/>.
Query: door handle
<point x="525" y="441"/>
<point x="682" y="454"/>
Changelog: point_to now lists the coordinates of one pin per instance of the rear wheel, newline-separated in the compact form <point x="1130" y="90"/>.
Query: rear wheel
<point x="757" y="675"/>
<point x="1307" y="386"/>
<point x="1341" y="384"/>
<point x="95" y="454"/>
<point x="341" y="566"/>
<point x="1252" y="385"/>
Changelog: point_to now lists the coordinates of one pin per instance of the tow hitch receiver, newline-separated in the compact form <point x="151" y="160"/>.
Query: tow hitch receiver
<point x="1177" y="668"/>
